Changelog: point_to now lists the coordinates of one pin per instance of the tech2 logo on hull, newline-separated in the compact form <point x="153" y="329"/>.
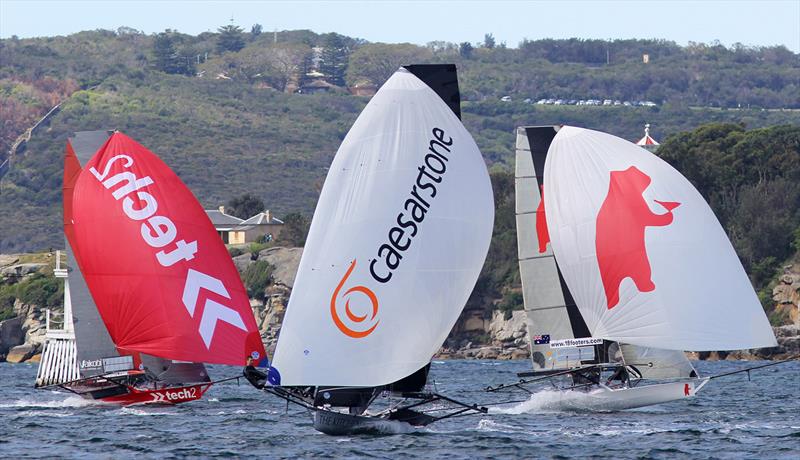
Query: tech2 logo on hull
<point x="167" y="396"/>
<point x="620" y="232"/>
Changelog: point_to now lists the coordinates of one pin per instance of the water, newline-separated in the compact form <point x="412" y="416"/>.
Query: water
<point x="731" y="418"/>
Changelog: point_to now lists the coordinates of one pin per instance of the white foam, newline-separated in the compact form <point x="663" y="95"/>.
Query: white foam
<point x="541" y="401"/>
<point x="493" y="426"/>
<point x="131" y="410"/>
<point x="69" y="401"/>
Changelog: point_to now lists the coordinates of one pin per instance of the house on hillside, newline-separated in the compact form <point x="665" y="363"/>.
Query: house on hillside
<point x="364" y="88"/>
<point x="317" y="86"/>
<point x="226" y="226"/>
<point x="262" y="224"/>
<point x="234" y="230"/>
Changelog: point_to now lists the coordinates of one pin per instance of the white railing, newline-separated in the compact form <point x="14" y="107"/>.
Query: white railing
<point x="59" y="272"/>
<point x="54" y="321"/>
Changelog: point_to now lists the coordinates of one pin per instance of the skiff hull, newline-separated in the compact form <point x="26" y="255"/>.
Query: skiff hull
<point x="616" y="399"/>
<point x="339" y="424"/>
<point x="129" y="395"/>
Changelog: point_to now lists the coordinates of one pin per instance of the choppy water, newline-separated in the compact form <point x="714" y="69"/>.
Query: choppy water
<point x="731" y="418"/>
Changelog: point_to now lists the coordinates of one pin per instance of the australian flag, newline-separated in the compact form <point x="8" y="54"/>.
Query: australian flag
<point x="541" y="339"/>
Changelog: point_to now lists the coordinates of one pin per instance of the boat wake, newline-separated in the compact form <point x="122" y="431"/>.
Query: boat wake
<point x="551" y="401"/>
<point x="68" y="402"/>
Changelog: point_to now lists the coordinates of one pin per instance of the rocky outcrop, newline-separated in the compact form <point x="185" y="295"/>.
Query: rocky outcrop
<point x="269" y="313"/>
<point x="500" y="338"/>
<point x="21" y="270"/>
<point x="11" y="335"/>
<point x="786" y="294"/>
<point x="21" y="353"/>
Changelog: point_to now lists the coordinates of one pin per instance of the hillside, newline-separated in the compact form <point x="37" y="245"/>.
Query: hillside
<point x="215" y="116"/>
<point x="228" y="121"/>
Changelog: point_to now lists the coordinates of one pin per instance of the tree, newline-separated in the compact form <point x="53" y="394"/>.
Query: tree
<point x="164" y="53"/>
<point x="334" y="59"/>
<point x="256" y="30"/>
<point x="245" y="206"/>
<point x="295" y="230"/>
<point x="465" y="50"/>
<point x="230" y="39"/>
<point x="488" y="41"/>
<point x="377" y="62"/>
<point x="276" y="64"/>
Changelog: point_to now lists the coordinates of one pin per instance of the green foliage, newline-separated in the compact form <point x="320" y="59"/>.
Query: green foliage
<point x="257" y="277"/>
<point x="43" y="291"/>
<point x="255" y="31"/>
<point x="751" y="179"/>
<point x="335" y="54"/>
<point x="230" y="38"/>
<point x="377" y="62"/>
<point x="256" y="248"/>
<point x="512" y="300"/>
<point x="39" y="290"/>
<point x="7" y="298"/>
<point x="167" y="58"/>
<point x="465" y="50"/>
<point x="235" y="252"/>
<point x="245" y="206"/>
<point x="295" y="230"/>
<point x="488" y="41"/>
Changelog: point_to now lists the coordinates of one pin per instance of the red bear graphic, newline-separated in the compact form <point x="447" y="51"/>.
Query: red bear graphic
<point x="621" y="223"/>
<point x="541" y="225"/>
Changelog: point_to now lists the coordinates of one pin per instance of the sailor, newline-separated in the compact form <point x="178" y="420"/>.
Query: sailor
<point x="621" y="374"/>
<point x="256" y="378"/>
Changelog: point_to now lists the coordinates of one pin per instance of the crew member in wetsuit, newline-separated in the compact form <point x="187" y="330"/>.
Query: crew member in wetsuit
<point x="256" y="378"/>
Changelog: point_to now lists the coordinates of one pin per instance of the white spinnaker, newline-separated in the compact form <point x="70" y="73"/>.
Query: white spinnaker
<point x="702" y="299"/>
<point x="368" y="185"/>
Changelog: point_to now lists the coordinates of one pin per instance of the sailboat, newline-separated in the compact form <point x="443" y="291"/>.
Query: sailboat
<point x="397" y="241"/>
<point x="616" y="252"/>
<point x="150" y="291"/>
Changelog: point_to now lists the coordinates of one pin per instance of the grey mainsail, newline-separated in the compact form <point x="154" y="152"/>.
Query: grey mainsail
<point x="551" y="311"/>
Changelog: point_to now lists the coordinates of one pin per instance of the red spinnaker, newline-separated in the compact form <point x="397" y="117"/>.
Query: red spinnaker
<point x="72" y="169"/>
<point x="158" y="271"/>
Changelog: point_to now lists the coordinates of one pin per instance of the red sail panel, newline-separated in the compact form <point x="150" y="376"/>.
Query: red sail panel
<point x="162" y="279"/>
<point x="72" y="168"/>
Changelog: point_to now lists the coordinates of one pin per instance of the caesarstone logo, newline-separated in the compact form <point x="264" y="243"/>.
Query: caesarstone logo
<point x="399" y="238"/>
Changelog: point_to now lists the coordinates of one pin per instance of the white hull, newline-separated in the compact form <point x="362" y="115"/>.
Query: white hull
<point x="616" y="399"/>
